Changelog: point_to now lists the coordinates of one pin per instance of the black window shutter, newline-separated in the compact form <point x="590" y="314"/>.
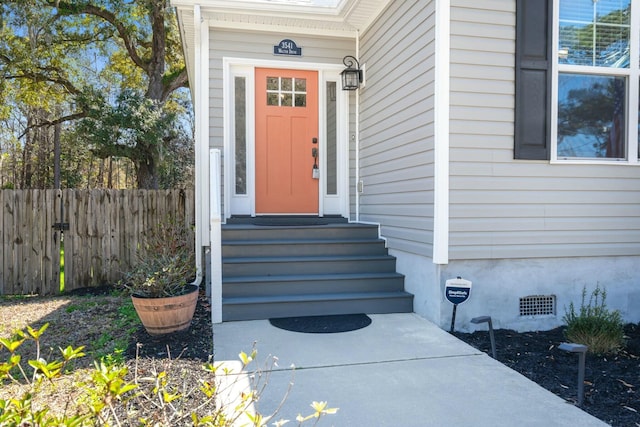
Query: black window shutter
<point x="533" y="79"/>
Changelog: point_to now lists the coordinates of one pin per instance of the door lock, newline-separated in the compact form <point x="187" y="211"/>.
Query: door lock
<point x="315" y="171"/>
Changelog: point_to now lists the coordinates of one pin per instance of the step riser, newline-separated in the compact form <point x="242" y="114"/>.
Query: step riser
<point x="316" y="308"/>
<point x="306" y="233"/>
<point x="277" y="268"/>
<point x="315" y="286"/>
<point x="304" y="249"/>
<point x="280" y="271"/>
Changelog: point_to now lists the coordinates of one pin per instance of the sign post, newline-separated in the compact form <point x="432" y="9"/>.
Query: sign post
<point x="456" y="291"/>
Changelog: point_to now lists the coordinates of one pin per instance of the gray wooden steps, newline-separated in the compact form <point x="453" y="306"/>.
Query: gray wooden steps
<point x="327" y="267"/>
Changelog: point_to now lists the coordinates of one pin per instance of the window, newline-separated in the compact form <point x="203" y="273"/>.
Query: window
<point x="596" y="80"/>
<point x="240" y="104"/>
<point x="332" y="140"/>
<point x="286" y="92"/>
<point x="577" y="80"/>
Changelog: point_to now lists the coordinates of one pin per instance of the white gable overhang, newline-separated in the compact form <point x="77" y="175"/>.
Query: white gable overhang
<point x="339" y="18"/>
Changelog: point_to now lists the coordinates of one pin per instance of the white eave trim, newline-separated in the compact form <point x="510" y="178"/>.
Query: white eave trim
<point x="266" y="7"/>
<point x="299" y="29"/>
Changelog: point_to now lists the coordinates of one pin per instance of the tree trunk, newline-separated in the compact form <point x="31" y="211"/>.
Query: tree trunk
<point x="26" y="157"/>
<point x="56" y="156"/>
<point x="146" y="166"/>
<point x="110" y="174"/>
<point x="146" y="173"/>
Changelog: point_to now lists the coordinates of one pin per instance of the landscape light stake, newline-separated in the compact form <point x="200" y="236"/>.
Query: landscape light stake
<point x="581" y="349"/>
<point x="487" y="319"/>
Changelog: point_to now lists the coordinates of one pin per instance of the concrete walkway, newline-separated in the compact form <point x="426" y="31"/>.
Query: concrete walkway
<point x="399" y="371"/>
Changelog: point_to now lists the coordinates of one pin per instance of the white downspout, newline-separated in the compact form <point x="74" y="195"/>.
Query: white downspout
<point x="198" y="137"/>
<point x="357" y="136"/>
<point x="441" y="133"/>
<point x="216" y="236"/>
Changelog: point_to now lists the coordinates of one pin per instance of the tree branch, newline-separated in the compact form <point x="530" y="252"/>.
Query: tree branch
<point x="59" y="120"/>
<point x="109" y="17"/>
<point x="39" y="77"/>
<point x="178" y="81"/>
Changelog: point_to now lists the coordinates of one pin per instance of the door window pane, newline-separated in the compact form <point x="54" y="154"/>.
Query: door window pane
<point x="273" y="83"/>
<point x="241" y="135"/>
<point x="283" y="91"/>
<point x="301" y="100"/>
<point x="591" y="116"/>
<point x="272" y="99"/>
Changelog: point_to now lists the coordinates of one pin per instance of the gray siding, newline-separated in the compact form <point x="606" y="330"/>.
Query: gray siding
<point x="259" y="45"/>
<point x="396" y="134"/>
<point x="505" y="208"/>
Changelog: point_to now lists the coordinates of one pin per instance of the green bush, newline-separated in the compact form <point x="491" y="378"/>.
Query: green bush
<point x="595" y="325"/>
<point x="109" y="397"/>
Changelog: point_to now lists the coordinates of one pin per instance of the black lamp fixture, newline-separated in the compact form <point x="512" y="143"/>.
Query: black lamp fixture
<point x="351" y="77"/>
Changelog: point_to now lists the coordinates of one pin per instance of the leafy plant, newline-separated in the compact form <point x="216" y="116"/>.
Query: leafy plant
<point x="154" y="398"/>
<point x="594" y="325"/>
<point x="164" y="263"/>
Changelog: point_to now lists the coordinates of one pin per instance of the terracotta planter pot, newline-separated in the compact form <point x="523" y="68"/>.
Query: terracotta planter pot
<point x="169" y="314"/>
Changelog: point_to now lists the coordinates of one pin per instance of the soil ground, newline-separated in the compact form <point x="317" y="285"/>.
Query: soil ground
<point x="104" y="322"/>
<point x="96" y="319"/>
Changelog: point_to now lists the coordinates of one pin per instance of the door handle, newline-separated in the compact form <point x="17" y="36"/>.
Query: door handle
<point x="314" y="152"/>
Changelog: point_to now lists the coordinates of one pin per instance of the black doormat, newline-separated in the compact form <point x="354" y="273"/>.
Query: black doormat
<point x="288" y="222"/>
<point x="323" y="324"/>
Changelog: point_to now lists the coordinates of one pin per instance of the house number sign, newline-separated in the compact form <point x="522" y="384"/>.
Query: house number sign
<point x="287" y="47"/>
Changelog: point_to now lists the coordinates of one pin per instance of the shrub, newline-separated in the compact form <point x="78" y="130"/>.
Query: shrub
<point x="109" y="397"/>
<point x="595" y="325"/>
<point x="164" y="263"/>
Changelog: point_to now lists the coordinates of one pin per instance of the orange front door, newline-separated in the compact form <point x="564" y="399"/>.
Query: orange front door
<point x="286" y="128"/>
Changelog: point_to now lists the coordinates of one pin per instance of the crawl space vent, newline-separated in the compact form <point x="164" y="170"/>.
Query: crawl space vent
<point x="538" y="305"/>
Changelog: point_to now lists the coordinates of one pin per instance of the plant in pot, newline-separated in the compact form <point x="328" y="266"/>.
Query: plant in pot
<point x="159" y="280"/>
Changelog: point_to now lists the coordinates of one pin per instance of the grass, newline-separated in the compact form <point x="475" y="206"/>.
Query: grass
<point x="594" y="325"/>
<point x="62" y="266"/>
<point x="104" y="324"/>
<point x="81" y="305"/>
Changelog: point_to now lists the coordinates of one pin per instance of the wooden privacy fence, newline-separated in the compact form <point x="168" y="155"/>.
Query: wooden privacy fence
<point x="99" y="231"/>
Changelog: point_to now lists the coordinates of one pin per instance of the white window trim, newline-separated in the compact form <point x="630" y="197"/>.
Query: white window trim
<point x="241" y="202"/>
<point x="245" y="67"/>
<point x="632" y="74"/>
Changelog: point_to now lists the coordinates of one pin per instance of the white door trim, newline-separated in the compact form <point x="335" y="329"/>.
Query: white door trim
<point x="245" y="67"/>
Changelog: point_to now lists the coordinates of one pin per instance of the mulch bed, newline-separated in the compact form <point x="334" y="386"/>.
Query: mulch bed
<point x="182" y="356"/>
<point x="611" y="382"/>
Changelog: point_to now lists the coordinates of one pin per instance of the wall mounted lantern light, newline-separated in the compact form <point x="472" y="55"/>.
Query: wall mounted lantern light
<point x="351" y="76"/>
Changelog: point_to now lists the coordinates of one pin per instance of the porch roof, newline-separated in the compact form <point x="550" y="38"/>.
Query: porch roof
<point x="318" y="16"/>
<point x="335" y="18"/>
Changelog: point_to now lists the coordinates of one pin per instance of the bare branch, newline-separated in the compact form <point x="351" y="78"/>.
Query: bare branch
<point x="59" y="120"/>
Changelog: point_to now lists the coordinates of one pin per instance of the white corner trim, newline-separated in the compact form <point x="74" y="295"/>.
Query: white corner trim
<point x="441" y="133"/>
